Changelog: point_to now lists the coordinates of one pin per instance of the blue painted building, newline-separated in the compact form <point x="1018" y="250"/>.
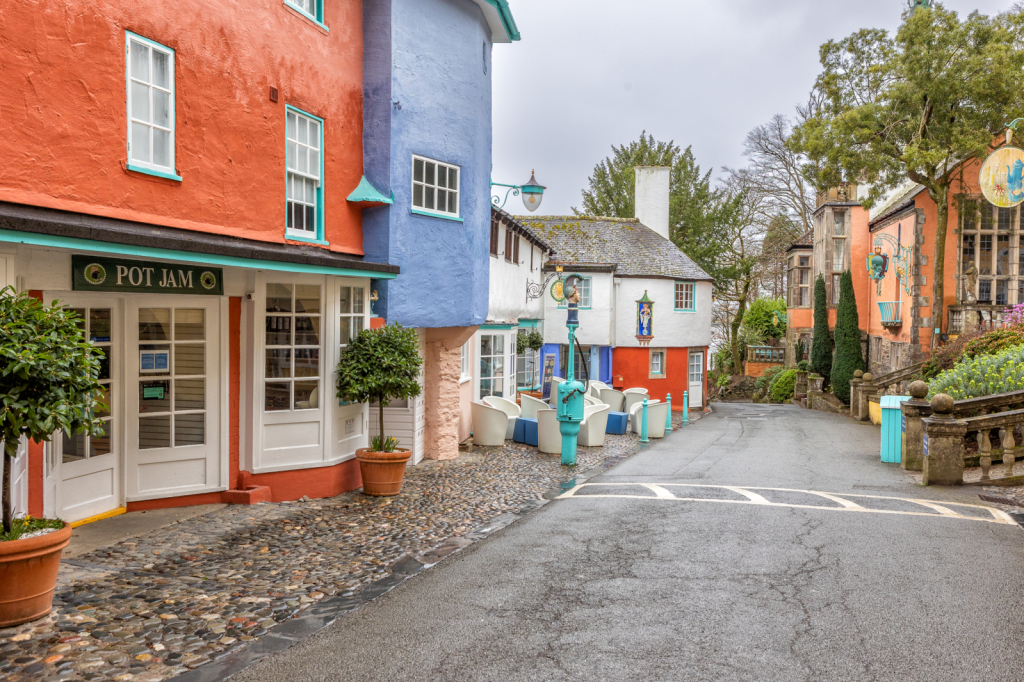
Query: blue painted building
<point x="427" y="160"/>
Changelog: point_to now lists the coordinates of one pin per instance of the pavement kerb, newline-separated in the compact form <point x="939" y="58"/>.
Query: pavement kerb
<point x="323" y="614"/>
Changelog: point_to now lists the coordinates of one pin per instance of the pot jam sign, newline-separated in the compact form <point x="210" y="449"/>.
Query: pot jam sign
<point x="111" y="274"/>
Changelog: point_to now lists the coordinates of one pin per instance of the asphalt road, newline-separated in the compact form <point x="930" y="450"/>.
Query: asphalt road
<point x="722" y="588"/>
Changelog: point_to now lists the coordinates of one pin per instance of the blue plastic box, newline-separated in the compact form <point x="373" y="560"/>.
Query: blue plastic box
<point x="617" y="423"/>
<point x="525" y="431"/>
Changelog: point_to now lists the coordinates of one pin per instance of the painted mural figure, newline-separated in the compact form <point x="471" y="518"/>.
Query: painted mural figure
<point x="1015" y="180"/>
<point x="645" y="319"/>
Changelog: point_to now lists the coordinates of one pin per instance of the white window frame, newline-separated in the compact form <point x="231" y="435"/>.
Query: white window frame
<point x="494" y="376"/>
<point x="662" y="372"/>
<point x="586" y="294"/>
<point x="466" y="371"/>
<point x="295" y="174"/>
<point x="149" y="167"/>
<point x="432" y="188"/>
<point x="684" y="286"/>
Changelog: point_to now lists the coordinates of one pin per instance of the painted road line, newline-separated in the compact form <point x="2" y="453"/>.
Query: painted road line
<point x="663" y="492"/>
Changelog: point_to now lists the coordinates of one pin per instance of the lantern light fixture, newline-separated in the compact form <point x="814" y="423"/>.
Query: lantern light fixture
<point x="532" y="192"/>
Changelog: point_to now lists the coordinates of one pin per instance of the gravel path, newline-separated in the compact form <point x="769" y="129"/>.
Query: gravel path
<point x="154" y="606"/>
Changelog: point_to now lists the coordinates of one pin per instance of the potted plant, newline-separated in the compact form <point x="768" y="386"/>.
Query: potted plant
<point x="381" y="365"/>
<point x="48" y="384"/>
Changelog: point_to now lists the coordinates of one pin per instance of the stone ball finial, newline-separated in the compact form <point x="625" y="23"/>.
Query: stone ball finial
<point x="918" y="389"/>
<point x="858" y="374"/>
<point x="942" y="404"/>
<point x="868" y="376"/>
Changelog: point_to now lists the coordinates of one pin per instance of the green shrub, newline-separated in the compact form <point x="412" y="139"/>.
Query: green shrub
<point x="970" y="345"/>
<point x="765" y="319"/>
<point x="821" y="342"/>
<point x="849" y="355"/>
<point x="769" y="374"/>
<point x="993" y="342"/>
<point x="802" y="365"/>
<point x="982" y="375"/>
<point x="782" y="386"/>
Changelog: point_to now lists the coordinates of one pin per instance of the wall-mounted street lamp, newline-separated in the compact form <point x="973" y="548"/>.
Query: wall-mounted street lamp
<point x="532" y="191"/>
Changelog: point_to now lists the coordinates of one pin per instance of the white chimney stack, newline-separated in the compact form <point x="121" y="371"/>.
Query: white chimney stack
<point x="651" y="199"/>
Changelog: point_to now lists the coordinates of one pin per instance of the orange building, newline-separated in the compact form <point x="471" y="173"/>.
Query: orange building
<point x="179" y="173"/>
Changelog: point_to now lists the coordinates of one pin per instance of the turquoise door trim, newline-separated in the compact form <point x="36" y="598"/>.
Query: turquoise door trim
<point x="321" y="216"/>
<point x="497" y="326"/>
<point x="12" y="237"/>
<point x="527" y="324"/>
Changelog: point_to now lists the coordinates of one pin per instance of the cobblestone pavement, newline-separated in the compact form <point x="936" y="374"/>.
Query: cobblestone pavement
<point x="155" y="606"/>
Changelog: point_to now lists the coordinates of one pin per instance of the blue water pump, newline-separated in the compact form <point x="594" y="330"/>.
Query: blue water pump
<point x="571" y="391"/>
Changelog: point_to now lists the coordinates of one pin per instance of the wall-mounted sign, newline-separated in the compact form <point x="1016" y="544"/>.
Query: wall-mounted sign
<point x="151" y="361"/>
<point x="1002" y="177"/>
<point x="90" y="273"/>
<point x="153" y="391"/>
<point x="549" y="373"/>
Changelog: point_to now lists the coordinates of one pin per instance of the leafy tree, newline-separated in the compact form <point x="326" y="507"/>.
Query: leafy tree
<point x="779" y="235"/>
<point x="821" y="342"/>
<point x="849" y="356"/>
<point x="48" y="378"/>
<point x="767" y="317"/>
<point x="918" y="105"/>
<point x="612" y="186"/>
<point x="380" y="365"/>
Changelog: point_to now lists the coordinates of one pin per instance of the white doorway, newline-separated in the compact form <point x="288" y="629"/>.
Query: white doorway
<point x="696" y="390"/>
<point x="176" y="442"/>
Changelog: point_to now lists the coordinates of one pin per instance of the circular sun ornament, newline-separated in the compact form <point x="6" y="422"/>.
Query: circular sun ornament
<point x="556" y="291"/>
<point x="95" y="274"/>
<point x="208" y="280"/>
<point x="1002" y="177"/>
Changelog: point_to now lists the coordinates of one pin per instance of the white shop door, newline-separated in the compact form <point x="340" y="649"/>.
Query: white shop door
<point x="174" y="396"/>
<point x="82" y="474"/>
<point x="696" y="390"/>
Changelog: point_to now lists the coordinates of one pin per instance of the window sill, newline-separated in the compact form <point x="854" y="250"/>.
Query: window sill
<point x="463" y="380"/>
<point x="306" y="240"/>
<point x="154" y="173"/>
<point x="684" y="310"/>
<point x="302" y="15"/>
<point x="431" y="214"/>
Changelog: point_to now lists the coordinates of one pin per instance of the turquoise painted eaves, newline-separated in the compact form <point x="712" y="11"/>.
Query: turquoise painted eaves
<point x="499" y="17"/>
<point x="366" y="193"/>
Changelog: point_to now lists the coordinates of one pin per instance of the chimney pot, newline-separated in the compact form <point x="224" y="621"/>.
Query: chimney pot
<point x="652" y="197"/>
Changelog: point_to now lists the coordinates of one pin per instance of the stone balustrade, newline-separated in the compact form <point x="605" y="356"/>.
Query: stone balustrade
<point x="864" y="386"/>
<point x="934" y="432"/>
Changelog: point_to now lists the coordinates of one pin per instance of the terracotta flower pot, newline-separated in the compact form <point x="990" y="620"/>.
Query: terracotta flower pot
<point x="28" y="575"/>
<point x="382" y="472"/>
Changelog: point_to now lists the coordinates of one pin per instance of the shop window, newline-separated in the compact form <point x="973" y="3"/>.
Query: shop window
<point x="685" y="299"/>
<point x="351" y="310"/>
<point x="292" y="337"/>
<point x="657" y="363"/>
<point x="492" y="365"/>
<point x="435" y="187"/>
<point x="304" y="162"/>
<point x="150" y="98"/>
<point x="95" y="324"/>
<point x="313" y="9"/>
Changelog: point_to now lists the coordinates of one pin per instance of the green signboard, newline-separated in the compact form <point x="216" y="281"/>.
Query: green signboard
<point x="90" y="273"/>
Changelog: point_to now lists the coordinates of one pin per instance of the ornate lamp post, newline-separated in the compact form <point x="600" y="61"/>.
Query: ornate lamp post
<point x="571" y="391"/>
<point x="532" y="191"/>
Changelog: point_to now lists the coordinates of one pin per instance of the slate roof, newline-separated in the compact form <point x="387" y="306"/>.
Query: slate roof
<point x="516" y="223"/>
<point x="805" y="242"/>
<point x="633" y="249"/>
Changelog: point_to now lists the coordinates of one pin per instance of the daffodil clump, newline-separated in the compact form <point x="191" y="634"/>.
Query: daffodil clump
<point x="982" y="375"/>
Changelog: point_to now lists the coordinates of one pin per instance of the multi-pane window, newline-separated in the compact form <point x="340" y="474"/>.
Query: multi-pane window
<point x="303" y="159"/>
<point x="836" y="289"/>
<point x="657" y="363"/>
<point x="351" y="311"/>
<point x="293" y="341"/>
<point x="150" y="105"/>
<point x="799" y="278"/>
<point x="172" y="383"/>
<point x="95" y="326"/>
<point x="466" y="369"/>
<point x="509" y="239"/>
<point x="990" y="241"/>
<point x="515" y="249"/>
<point x="435" y="186"/>
<point x="492" y="365"/>
<point x="685" y="296"/>
<point x="840" y="251"/>
<point x="585" y="287"/>
<point x="314" y="9"/>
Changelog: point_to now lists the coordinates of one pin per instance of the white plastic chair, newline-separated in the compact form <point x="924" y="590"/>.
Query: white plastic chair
<point x="656" y="417"/>
<point x="613" y="399"/>
<point x="636" y="413"/>
<point x="632" y="397"/>
<point x="590" y="400"/>
<point x="509" y="408"/>
<point x="600" y="385"/>
<point x="595" y="423"/>
<point x="553" y="399"/>
<point x="531" y="406"/>
<point x="549" y="438"/>
<point x="489" y="425"/>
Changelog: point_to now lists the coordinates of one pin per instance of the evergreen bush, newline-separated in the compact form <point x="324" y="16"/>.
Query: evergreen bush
<point x="1000" y="372"/>
<point x="783" y="385"/>
<point x="821" y="343"/>
<point x="766" y="318"/>
<point x="762" y="381"/>
<point x="849" y="355"/>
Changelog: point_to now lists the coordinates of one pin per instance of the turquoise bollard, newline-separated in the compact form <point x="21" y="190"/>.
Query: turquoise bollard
<point x="686" y="407"/>
<point x="643" y="423"/>
<point x="668" y="419"/>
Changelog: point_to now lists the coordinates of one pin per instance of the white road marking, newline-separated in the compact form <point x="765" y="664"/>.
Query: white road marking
<point x="663" y="492"/>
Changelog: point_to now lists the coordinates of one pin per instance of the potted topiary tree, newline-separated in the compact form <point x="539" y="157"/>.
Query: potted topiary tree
<point x="381" y="365"/>
<point x="48" y="384"/>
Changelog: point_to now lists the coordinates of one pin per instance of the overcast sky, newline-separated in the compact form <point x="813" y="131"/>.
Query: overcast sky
<point x="592" y="73"/>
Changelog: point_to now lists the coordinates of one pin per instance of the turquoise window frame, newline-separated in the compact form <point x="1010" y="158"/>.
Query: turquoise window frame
<point x="318" y="18"/>
<point x="320" y="213"/>
<point x="134" y="167"/>
<point x="590" y="283"/>
<point x="692" y="309"/>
